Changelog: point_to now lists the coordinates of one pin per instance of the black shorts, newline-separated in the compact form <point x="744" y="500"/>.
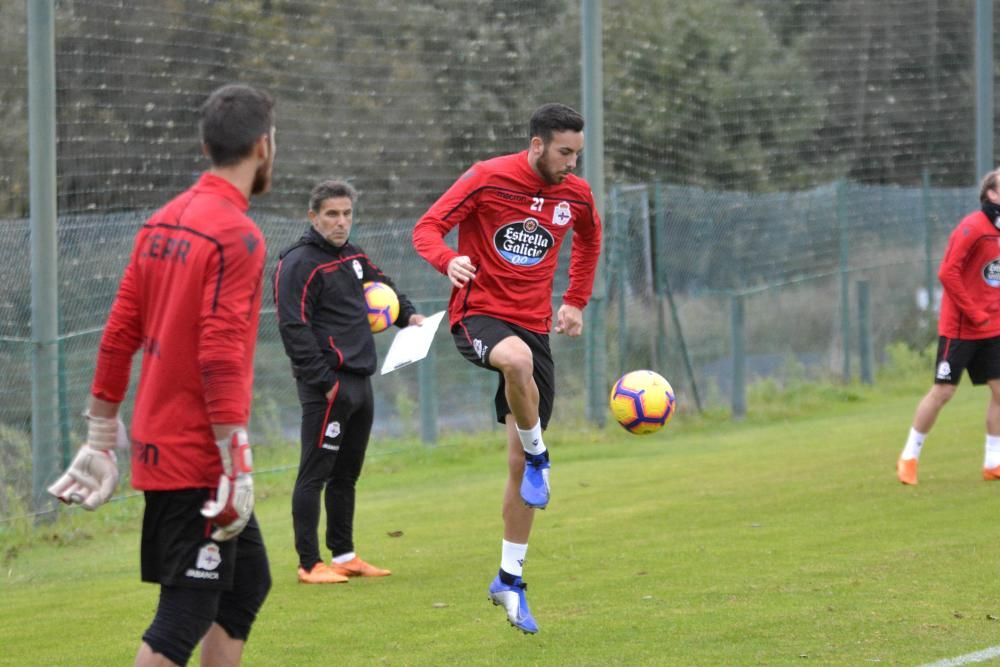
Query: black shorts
<point x="177" y="548"/>
<point x="980" y="357"/>
<point x="476" y="336"/>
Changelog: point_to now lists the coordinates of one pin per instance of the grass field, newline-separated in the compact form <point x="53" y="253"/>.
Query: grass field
<point x="782" y="540"/>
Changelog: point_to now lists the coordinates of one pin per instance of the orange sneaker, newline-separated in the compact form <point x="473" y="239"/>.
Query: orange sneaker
<point x="358" y="568"/>
<point x="906" y="471"/>
<point x="990" y="474"/>
<point x="320" y="573"/>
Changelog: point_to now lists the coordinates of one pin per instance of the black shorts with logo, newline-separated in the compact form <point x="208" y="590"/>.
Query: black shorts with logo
<point x="477" y="335"/>
<point x="980" y="357"/>
<point x="177" y="548"/>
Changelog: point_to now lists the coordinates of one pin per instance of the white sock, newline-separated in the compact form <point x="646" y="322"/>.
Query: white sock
<point x="914" y="444"/>
<point x="512" y="558"/>
<point x="531" y="439"/>
<point x="992" y="459"/>
<point x="343" y="558"/>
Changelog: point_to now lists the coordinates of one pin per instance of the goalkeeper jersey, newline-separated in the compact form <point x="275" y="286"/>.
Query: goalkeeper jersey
<point x="190" y="299"/>
<point x="511" y="224"/>
<point x="970" y="274"/>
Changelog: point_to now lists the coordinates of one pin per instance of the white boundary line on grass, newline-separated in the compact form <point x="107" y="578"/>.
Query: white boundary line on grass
<point x="968" y="658"/>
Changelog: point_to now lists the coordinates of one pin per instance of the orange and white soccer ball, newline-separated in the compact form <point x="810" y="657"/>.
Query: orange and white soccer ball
<point x="383" y="305"/>
<point x="642" y="402"/>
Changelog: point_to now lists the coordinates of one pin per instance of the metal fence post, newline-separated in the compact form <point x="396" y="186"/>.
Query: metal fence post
<point x="65" y="431"/>
<point x="427" y="381"/>
<point x="616" y="259"/>
<point x="592" y="94"/>
<point x="663" y="290"/>
<point x="44" y="277"/>
<point x="865" y="332"/>
<point x="739" y="394"/>
<point x="984" y="87"/>
<point x="930" y="279"/>
<point x="845" y="304"/>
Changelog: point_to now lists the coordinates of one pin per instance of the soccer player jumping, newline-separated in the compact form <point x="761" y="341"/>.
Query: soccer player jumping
<point x="513" y="213"/>
<point x="190" y="299"/>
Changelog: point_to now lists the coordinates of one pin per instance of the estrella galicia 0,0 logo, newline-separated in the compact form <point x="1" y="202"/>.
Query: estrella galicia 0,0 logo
<point x="524" y="243"/>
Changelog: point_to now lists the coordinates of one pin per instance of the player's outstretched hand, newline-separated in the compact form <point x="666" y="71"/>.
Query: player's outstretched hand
<point x="233" y="504"/>
<point x="93" y="475"/>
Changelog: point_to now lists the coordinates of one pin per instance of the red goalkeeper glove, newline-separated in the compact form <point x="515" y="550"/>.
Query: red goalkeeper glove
<point x="233" y="503"/>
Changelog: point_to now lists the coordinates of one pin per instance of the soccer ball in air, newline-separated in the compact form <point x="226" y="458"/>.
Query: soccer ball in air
<point x="383" y="306"/>
<point x="642" y="402"/>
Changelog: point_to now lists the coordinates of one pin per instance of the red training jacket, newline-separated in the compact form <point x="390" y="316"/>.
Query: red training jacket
<point x="190" y="298"/>
<point x="970" y="274"/>
<point x="511" y="224"/>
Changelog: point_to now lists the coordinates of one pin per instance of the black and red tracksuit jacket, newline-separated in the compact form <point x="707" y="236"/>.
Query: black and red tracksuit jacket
<point x="322" y="314"/>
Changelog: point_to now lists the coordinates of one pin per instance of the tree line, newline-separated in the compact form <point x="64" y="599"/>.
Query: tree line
<point x="748" y="95"/>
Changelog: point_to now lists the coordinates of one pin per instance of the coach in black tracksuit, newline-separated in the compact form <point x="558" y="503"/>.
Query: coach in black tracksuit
<point x="323" y="320"/>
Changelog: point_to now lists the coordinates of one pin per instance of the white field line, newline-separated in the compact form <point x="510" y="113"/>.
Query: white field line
<point x="968" y="658"/>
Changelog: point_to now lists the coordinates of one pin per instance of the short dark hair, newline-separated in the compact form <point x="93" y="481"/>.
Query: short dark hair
<point x="328" y="190"/>
<point x="551" y="118"/>
<point x="233" y="118"/>
<point x="989" y="183"/>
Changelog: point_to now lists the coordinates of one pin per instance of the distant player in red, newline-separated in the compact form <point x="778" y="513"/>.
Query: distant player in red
<point x="190" y="299"/>
<point x="513" y="213"/>
<point x="968" y="330"/>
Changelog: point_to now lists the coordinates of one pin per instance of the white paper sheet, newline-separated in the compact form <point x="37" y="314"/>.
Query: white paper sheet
<point x="411" y="343"/>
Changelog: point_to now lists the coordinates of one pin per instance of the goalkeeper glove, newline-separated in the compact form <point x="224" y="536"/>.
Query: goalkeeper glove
<point x="93" y="475"/>
<point x="233" y="503"/>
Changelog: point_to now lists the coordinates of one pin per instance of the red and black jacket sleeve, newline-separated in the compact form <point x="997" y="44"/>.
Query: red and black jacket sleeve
<point x="121" y="338"/>
<point x="454" y="206"/>
<point x="230" y="300"/>
<point x="585" y="251"/>
<point x="297" y="290"/>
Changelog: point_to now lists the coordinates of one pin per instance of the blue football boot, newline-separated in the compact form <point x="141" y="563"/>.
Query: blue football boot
<point x="512" y="598"/>
<point x="535" y="483"/>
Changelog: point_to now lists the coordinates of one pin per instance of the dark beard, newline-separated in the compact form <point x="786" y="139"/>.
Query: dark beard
<point x="545" y="172"/>
<point x="261" y="180"/>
